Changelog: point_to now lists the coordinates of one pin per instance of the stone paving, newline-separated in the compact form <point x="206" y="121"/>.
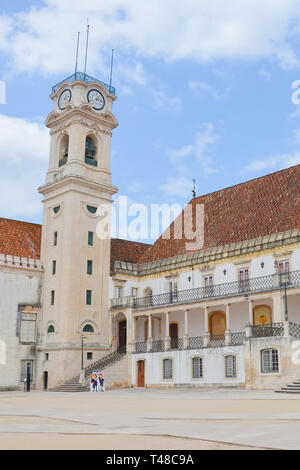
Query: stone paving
<point x="174" y="418"/>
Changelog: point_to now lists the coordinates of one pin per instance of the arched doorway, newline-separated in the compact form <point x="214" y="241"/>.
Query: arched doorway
<point x="141" y="373"/>
<point x="122" y="335"/>
<point x="262" y="315"/>
<point x="217" y="323"/>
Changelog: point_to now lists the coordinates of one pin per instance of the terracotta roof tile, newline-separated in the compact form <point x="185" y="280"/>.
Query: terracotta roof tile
<point x="125" y="250"/>
<point x="20" y="238"/>
<point x="263" y="206"/>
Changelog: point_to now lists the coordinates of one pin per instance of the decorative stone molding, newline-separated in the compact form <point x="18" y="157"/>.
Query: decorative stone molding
<point x="209" y="254"/>
<point x="20" y="262"/>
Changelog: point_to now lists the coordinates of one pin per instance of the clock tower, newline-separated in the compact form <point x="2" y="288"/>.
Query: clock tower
<point x="75" y="302"/>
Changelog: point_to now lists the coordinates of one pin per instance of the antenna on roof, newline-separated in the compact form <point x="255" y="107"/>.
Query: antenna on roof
<point x="77" y="50"/>
<point x="111" y="67"/>
<point x="87" y="46"/>
<point x="194" y="188"/>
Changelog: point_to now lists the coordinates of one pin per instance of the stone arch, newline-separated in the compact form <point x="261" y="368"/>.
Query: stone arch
<point x="217" y="323"/>
<point x="119" y="331"/>
<point x="262" y="315"/>
<point x="84" y="323"/>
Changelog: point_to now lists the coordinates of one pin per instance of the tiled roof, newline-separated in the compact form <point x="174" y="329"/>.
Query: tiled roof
<point x="125" y="250"/>
<point x="262" y="206"/>
<point x="20" y="238"/>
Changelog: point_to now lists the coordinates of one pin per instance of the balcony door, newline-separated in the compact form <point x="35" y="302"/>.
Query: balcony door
<point x="174" y="335"/>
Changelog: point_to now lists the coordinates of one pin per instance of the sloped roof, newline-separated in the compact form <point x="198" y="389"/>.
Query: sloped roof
<point x="125" y="250"/>
<point x="20" y="238"/>
<point x="262" y="206"/>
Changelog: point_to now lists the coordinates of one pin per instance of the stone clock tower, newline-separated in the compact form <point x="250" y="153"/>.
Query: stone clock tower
<point x="76" y="263"/>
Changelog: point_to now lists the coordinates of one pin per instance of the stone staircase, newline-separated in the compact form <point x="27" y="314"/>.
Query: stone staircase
<point x="73" y="384"/>
<point x="291" y="388"/>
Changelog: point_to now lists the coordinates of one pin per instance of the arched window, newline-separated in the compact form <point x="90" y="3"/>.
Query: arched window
<point x="88" y="329"/>
<point x="197" y="367"/>
<point x="51" y="329"/>
<point x="90" y="151"/>
<point x="230" y="367"/>
<point x="63" y="150"/>
<point x="168" y="368"/>
<point x="269" y="361"/>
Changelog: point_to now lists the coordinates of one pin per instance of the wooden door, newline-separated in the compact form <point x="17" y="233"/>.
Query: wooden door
<point x="174" y="335"/>
<point x="141" y="373"/>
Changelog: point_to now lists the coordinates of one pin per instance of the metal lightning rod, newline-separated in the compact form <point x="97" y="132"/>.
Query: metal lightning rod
<point x="86" y="49"/>
<point x="111" y="67"/>
<point x="77" y="50"/>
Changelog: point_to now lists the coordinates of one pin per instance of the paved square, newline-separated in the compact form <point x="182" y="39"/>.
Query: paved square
<point x="150" y="419"/>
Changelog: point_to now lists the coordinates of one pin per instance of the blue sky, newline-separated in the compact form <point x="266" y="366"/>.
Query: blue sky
<point x="204" y="91"/>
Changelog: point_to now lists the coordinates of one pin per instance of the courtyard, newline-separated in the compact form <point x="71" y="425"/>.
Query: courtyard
<point x="144" y="419"/>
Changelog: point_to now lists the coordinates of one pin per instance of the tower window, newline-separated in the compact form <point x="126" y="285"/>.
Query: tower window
<point x="90" y="152"/>
<point x="92" y="209"/>
<point x="56" y="209"/>
<point x="89" y="266"/>
<point x="63" y="150"/>
<point x="51" y="329"/>
<point x="55" y="239"/>
<point x="53" y="267"/>
<point x="52" y="297"/>
<point x="88" y="329"/>
<point x="89" y="356"/>
<point x="91" y="238"/>
<point x="89" y="297"/>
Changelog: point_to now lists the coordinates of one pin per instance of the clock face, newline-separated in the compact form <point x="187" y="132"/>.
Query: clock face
<point x="64" y="99"/>
<point x="96" y="99"/>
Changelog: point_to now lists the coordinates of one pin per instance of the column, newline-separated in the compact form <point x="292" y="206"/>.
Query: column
<point x="186" y="330"/>
<point x="150" y="339"/>
<point x="206" y="336"/>
<point x="167" y="338"/>
<point x="227" y="332"/>
<point x="250" y="323"/>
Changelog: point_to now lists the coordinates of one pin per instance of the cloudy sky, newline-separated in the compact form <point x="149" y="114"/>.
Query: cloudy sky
<point x="204" y="91"/>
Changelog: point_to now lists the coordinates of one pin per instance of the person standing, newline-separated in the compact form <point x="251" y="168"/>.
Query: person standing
<point x="101" y="382"/>
<point x="94" y="383"/>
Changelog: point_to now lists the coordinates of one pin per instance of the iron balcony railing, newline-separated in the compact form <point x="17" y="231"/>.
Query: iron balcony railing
<point x="257" y="284"/>
<point x="85" y="78"/>
<point x="264" y="331"/>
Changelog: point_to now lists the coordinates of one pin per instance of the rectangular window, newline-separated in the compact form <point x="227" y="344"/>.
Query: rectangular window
<point x="119" y="292"/>
<point x="89" y="297"/>
<point x="53" y="267"/>
<point x="168" y="372"/>
<point x="269" y="361"/>
<point x="52" y="297"/>
<point x="47" y="357"/>
<point x="230" y="367"/>
<point x="244" y="283"/>
<point x="28" y="328"/>
<point x="89" y="356"/>
<point x="134" y="292"/>
<point x="55" y="239"/>
<point x="208" y="286"/>
<point x="197" y="368"/>
<point x="91" y="238"/>
<point x="173" y="291"/>
<point x="89" y="266"/>
<point x="284" y="267"/>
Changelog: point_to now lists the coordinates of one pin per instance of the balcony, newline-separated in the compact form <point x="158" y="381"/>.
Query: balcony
<point x="229" y="289"/>
<point x="234" y="339"/>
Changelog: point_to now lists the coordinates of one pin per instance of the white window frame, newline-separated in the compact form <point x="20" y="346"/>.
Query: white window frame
<point x="268" y="370"/>
<point x="233" y="366"/>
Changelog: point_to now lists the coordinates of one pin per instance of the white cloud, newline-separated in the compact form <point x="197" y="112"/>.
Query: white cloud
<point x="275" y="162"/>
<point x="177" y="186"/>
<point x="200" y="88"/>
<point x="166" y="103"/>
<point x="43" y="38"/>
<point x="199" y="149"/>
<point x="24" y="149"/>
